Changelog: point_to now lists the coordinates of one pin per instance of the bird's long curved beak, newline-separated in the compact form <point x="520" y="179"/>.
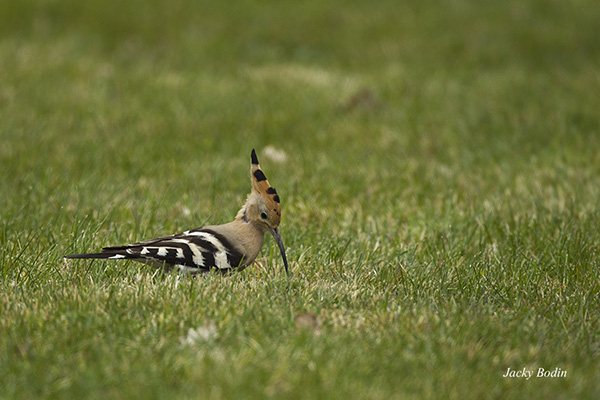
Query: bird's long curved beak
<point x="277" y="237"/>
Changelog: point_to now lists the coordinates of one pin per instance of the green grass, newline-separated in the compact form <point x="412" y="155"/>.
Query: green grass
<point x="443" y="226"/>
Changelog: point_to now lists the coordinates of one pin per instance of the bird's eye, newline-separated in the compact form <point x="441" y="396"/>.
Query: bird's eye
<point x="263" y="215"/>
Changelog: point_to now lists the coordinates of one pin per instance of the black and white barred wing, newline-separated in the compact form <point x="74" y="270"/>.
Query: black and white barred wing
<point x="194" y="251"/>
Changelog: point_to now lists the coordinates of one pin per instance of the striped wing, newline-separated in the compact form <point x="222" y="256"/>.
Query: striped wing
<point x="194" y="251"/>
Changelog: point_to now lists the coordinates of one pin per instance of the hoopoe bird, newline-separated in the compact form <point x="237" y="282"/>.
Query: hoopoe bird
<point x="227" y="247"/>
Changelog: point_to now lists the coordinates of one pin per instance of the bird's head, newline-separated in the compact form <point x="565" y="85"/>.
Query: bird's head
<point x="263" y="206"/>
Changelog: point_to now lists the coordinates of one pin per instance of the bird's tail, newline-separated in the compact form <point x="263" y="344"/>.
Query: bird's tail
<point x="107" y="253"/>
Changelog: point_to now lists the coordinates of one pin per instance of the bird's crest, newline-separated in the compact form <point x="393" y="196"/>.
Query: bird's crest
<point x="260" y="185"/>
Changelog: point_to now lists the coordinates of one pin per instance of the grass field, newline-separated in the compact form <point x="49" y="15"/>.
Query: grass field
<point x="440" y="194"/>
